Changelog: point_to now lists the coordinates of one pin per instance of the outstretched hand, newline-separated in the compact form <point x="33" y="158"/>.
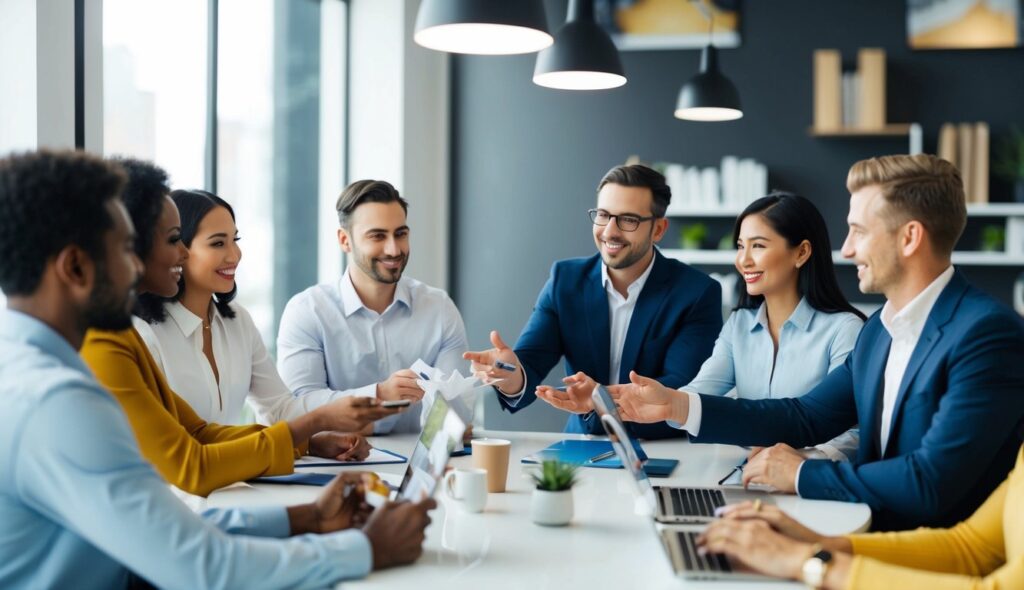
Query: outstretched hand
<point x="575" y="397"/>
<point x="497" y="366"/>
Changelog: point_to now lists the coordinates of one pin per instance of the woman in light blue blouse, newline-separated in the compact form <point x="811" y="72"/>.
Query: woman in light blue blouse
<point x="792" y="325"/>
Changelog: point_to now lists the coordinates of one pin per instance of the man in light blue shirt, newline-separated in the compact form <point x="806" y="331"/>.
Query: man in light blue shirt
<point x="361" y="335"/>
<point x="80" y="507"/>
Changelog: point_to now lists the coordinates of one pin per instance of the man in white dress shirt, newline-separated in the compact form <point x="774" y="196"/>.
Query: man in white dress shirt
<point x="360" y="335"/>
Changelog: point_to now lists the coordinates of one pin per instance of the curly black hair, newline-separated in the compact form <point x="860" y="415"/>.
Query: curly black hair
<point x="143" y="196"/>
<point x="49" y="200"/>
<point x="193" y="204"/>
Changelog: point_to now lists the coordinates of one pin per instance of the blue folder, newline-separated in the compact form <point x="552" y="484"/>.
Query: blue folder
<point x="305" y="479"/>
<point x="580" y="452"/>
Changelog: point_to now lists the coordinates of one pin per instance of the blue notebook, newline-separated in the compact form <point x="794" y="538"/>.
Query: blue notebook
<point x="581" y="452"/>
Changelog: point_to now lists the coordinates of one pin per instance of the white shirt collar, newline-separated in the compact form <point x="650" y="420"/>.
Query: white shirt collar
<point x="634" y="287"/>
<point x="909" y="321"/>
<point x="351" y="302"/>
<point x="187" y="321"/>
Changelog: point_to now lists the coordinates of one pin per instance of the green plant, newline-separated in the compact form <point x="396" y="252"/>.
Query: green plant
<point x="993" y="238"/>
<point x="692" y="236"/>
<point x="1010" y="161"/>
<point x="555" y="475"/>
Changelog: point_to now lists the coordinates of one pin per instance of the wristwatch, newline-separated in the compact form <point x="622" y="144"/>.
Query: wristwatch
<point x="816" y="567"/>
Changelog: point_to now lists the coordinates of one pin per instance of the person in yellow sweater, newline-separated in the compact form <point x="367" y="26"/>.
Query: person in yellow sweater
<point x="984" y="551"/>
<point x="190" y="453"/>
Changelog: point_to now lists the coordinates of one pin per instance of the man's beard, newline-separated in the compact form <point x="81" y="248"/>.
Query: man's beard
<point x="369" y="266"/>
<point x="107" y="309"/>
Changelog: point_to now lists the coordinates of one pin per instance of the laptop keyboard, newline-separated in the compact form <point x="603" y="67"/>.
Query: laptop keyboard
<point x="695" y="501"/>
<point x="695" y="562"/>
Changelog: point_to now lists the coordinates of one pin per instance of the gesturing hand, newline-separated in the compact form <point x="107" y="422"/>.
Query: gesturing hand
<point x="645" y="400"/>
<point x="485" y="366"/>
<point x="574" y="398"/>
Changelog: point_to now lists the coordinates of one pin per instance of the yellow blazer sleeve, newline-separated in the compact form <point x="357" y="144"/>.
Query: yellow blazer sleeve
<point x="208" y="432"/>
<point x="213" y="457"/>
<point x="973" y="554"/>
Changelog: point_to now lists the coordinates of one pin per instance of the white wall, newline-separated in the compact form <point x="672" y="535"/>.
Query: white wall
<point x="398" y="124"/>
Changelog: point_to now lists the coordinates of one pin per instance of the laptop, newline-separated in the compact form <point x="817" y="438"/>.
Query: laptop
<point x="442" y="432"/>
<point x="678" y="523"/>
<point x="671" y="505"/>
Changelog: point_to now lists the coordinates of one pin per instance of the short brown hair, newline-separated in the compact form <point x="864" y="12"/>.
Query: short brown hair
<point x="922" y="188"/>
<point x="638" y="175"/>
<point x="366" y="191"/>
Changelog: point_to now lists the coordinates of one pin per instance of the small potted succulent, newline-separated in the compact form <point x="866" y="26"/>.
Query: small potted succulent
<point x="551" y="504"/>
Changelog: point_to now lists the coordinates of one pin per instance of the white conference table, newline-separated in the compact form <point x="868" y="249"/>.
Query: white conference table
<point x="607" y="545"/>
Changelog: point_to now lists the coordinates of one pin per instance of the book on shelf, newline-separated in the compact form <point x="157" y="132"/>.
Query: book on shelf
<point x="731" y="186"/>
<point x="967" y="146"/>
<point x="870" y="87"/>
<point x="828" y="69"/>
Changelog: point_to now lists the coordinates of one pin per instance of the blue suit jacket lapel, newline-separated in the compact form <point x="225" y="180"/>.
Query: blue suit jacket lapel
<point x="595" y="306"/>
<point x="874" y="391"/>
<point x="940" y="314"/>
<point x="647" y="305"/>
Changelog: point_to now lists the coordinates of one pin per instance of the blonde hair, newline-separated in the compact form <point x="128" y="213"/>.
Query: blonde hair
<point x="921" y="188"/>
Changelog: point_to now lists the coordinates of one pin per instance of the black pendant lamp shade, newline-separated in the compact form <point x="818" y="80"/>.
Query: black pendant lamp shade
<point x="583" y="56"/>
<point x="709" y="96"/>
<point x="483" y="27"/>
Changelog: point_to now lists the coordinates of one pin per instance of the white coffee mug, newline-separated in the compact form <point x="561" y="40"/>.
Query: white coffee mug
<point x="468" y="487"/>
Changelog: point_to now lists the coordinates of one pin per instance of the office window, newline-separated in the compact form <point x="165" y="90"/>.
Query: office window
<point x="154" y="84"/>
<point x="278" y="151"/>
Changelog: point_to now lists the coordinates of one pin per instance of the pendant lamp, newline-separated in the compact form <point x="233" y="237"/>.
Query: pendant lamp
<point x="708" y="96"/>
<point x="583" y="56"/>
<point x="482" y="27"/>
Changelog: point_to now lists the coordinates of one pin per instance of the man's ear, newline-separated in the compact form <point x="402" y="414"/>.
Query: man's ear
<point x="660" y="227"/>
<point x="75" y="270"/>
<point x="344" y="240"/>
<point x="911" y="238"/>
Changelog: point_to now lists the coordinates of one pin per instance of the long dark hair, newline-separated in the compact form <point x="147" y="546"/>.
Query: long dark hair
<point x="193" y="205"/>
<point x="797" y="219"/>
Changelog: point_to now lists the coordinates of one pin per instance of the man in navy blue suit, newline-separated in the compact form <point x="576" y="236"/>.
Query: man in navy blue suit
<point x="625" y="308"/>
<point x="936" y="380"/>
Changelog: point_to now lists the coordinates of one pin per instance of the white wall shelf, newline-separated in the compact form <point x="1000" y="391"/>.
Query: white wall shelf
<point x="726" y="257"/>
<point x="717" y="212"/>
<point x="996" y="210"/>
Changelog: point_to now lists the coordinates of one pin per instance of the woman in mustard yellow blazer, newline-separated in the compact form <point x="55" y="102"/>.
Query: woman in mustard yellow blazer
<point x="984" y="551"/>
<point x="196" y="456"/>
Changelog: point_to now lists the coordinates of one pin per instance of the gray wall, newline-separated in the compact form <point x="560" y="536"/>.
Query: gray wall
<point x="526" y="159"/>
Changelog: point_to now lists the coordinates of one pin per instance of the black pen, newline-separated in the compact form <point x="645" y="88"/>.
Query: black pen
<point x="734" y="470"/>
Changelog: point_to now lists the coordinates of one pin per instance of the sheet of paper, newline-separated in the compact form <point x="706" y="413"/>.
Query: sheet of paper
<point x="376" y="456"/>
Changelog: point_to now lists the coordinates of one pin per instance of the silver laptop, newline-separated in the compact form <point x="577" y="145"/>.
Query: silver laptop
<point x="671" y="505"/>
<point x="441" y="431"/>
<point x="678" y="524"/>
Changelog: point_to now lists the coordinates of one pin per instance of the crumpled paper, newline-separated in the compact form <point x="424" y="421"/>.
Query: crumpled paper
<point x="459" y="391"/>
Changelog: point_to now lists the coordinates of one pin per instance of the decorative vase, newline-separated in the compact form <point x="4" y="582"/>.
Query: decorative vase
<point x="551" y="508"/>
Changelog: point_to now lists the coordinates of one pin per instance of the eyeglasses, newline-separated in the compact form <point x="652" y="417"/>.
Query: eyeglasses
<point x="625" y="222"/>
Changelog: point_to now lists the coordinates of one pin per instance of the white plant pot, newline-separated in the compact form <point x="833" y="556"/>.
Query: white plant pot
<point x="551" y="508"/>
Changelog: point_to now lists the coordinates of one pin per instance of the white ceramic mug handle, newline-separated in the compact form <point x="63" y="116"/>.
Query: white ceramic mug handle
<point x="449" y="481"/>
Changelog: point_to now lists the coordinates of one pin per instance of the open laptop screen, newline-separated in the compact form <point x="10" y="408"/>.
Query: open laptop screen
<point x="623" y="446"/>
<point x="442" y="429"/>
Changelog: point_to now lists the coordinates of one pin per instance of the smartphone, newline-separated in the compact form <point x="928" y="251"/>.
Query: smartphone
<point x="397" y="403"/>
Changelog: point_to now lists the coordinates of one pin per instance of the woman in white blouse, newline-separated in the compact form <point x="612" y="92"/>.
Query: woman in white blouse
<point x="207" y="345"/>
